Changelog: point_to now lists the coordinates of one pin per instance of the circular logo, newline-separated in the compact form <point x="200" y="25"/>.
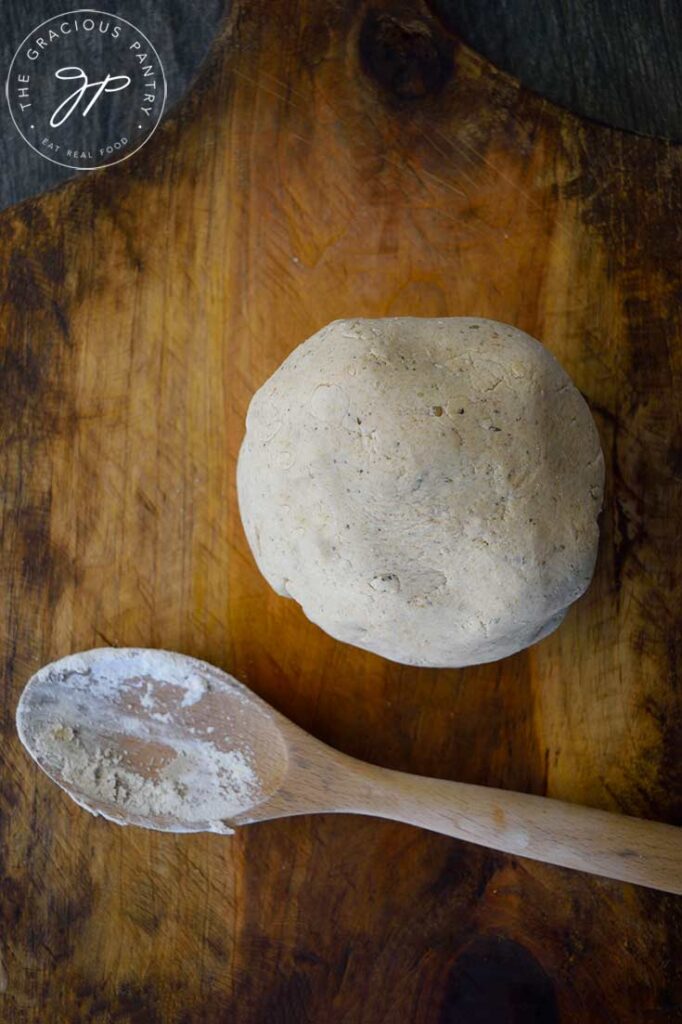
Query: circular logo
<point x="86" y="89"/>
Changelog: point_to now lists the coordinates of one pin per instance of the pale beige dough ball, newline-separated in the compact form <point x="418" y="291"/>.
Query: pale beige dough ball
<point x="427" y="489"/>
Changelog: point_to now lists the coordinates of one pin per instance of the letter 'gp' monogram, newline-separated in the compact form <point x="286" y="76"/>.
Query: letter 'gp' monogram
<point x="86" y="89"/>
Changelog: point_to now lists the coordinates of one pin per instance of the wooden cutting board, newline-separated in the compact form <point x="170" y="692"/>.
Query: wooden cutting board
<point x="334" y="160"/>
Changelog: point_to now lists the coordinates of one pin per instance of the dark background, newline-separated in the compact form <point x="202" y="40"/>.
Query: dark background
<point x="615" y="61"/>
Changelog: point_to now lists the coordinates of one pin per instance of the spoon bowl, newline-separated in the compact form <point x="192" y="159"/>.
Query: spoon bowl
<point x="152" y="738"/>
<point x="167" y="742"/>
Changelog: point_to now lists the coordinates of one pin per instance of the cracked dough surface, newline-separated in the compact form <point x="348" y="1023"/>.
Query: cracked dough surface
<point x="427" y="489"/>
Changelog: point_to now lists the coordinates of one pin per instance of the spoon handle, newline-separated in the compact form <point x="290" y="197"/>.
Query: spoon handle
<point x="613" y="845"/>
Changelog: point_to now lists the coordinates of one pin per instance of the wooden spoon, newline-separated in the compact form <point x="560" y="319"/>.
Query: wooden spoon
<point x="164" y="741"/>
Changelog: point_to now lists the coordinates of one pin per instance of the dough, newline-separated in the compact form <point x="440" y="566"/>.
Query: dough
<point x="426" y="489"/>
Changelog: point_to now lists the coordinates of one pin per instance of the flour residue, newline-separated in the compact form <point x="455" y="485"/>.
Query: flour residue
<point x="128" y="739"/>
<point x="202" y="781"/>
<point x="196" y="686"/>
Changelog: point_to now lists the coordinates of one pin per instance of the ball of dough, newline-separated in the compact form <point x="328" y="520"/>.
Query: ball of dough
<point x="425" y="489"/>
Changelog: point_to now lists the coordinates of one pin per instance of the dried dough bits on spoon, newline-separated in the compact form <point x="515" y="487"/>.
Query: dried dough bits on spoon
<point x="161" y="740"/>
<point x="152" y="738"/>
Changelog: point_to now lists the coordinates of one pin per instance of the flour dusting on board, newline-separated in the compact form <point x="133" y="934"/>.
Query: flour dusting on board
<point x="124" y="731"/>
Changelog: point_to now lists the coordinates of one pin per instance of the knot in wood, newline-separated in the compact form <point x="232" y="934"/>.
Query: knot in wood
<point x="405" y="52"/>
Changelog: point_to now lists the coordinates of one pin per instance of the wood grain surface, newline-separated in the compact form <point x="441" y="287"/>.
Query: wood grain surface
<point x="335" y="159"/>
<point x="618" y="61"/>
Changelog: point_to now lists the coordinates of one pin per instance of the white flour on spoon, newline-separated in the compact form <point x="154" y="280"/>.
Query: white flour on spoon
<point x="131" y="740"/>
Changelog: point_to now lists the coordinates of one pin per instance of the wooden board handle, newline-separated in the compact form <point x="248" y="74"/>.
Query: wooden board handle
<point x="613" y="845"/>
